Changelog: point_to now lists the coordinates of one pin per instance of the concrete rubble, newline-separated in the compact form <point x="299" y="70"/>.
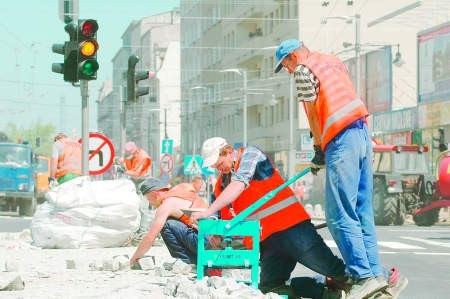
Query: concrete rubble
<point x="30" y="272"/>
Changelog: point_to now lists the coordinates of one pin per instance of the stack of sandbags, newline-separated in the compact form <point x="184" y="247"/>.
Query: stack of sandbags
<point x="87" y="214"/>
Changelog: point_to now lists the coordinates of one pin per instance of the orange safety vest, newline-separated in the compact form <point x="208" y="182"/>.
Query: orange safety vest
<point x="187" y="192"/>
<point x="139" y="158"/>
<point x="70" y="160"/>
<point x="337" y="105"/>
<point x="281" y="212"/>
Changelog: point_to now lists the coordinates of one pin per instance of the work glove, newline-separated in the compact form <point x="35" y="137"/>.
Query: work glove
<point x="318" y="161"/>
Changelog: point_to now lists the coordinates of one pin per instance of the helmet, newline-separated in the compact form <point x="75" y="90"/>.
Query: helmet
<point x="152" y="184"/>
<point x="60" y="136"/>
<point x="211" y="150"/>
<point x="130" y="148"/>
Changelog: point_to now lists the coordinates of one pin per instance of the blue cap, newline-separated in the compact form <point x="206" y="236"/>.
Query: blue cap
<point x="284" y="49"/>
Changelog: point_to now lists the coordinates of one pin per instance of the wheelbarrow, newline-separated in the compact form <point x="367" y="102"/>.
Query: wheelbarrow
<point x="238" y="227"/>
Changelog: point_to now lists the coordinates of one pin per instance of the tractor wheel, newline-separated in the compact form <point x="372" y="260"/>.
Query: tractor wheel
<point x="401" y="212"/>
<point x="427" y="218"/>
<point x="27" y="207"/>
<point x="379" y="195"/>
<point x="390" y="210"/>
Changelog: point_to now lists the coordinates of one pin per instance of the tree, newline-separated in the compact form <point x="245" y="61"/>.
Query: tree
<point x="46" y="133"/>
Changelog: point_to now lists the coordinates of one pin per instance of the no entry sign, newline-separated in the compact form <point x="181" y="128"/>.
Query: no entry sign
<point x="101" y="153"/>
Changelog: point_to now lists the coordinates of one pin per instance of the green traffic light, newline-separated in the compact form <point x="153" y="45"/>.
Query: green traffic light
<point x="89" y="68"/>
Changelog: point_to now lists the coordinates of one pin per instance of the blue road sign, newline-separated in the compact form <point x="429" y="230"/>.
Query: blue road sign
<point x="167" y="146"/>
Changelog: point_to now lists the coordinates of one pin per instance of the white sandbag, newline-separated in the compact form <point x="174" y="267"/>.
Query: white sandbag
<point x="87" y="214"/>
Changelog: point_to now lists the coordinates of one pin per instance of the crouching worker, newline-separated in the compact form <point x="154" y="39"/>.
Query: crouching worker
<point x="177" y="231"/>
<point x="287" y="235"/>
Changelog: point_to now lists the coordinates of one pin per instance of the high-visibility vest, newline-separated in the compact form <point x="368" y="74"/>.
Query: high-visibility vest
<point x="281" y="212"/>
<point x="337" y="105"/>
<point x="139" y="158"/>
<point x="70" y="160"/>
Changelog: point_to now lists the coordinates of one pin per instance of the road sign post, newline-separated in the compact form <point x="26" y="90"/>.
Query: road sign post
<point x="166" y="163"/>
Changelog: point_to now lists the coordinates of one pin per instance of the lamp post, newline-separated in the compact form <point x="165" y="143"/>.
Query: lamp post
<point x="243" y="73"/>
<point x="349" y="20"/>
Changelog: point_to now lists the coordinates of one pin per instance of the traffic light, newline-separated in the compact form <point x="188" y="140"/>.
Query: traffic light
<point x="87" y="64"/>
<point x="442" y="146"/>
<point x="133" y="77"/>
<point x="69" y="50"/>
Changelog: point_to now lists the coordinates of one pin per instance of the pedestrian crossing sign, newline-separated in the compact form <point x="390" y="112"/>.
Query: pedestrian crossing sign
<point x="193" y="164"/>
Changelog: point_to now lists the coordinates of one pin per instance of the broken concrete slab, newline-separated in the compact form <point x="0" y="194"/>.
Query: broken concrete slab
<point x="11" y="281"/>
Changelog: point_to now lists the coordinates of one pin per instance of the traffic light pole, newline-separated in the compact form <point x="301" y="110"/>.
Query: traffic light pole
<point x="84" y="126"/>
<point x="123" y="115"/>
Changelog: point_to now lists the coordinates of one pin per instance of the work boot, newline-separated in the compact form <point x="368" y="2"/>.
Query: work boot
<point x="366" y="287"/>
<point x="339" y="283"/>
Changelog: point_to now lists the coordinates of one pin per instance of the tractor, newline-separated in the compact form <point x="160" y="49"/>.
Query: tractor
<point x="402" y="185"/>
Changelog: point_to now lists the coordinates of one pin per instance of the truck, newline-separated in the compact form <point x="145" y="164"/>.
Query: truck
<point x="402" y="185"/>
<point x="17" y="178"/>
<point x="42" y="175"/>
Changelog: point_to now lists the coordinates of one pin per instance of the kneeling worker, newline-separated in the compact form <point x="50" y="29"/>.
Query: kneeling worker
<point x="177" y="231"/>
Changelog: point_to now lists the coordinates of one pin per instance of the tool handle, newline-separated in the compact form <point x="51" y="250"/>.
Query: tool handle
<point x="260" y="202"/>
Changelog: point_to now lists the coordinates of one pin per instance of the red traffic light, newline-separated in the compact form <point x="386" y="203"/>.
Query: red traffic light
<point x="88" y="28"/>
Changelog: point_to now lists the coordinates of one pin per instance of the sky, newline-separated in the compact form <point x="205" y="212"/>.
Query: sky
<point x="30" y="91"/>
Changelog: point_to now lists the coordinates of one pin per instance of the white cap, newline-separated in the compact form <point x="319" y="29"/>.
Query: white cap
<point x="211" y="150"/>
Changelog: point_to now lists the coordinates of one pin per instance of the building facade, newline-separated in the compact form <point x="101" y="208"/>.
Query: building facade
<point x="155" y="40"/>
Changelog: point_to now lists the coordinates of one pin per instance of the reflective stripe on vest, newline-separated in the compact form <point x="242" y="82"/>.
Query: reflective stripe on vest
<point x="336" y="116"/>
<point x="273" y="209"/>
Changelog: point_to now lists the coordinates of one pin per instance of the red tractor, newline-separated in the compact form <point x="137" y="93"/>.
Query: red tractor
<point x="441" y="195"/>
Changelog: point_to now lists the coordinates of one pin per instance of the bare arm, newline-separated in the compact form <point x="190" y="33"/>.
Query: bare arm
<point x="162" y="213"/>
<point x="313" y="122"/>
<point x="229" y="194"/>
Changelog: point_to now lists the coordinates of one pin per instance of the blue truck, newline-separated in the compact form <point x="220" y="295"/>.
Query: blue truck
<point x="17" y="178"/>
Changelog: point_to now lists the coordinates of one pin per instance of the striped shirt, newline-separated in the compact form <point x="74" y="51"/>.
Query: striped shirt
<point x="306" y="83"/>
<point x="254" y="165"/>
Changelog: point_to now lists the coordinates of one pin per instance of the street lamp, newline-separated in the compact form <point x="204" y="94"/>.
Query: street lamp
<point x="349" y="20"/>
<point x="397" y="61"/>
<point x="243" y="73"/>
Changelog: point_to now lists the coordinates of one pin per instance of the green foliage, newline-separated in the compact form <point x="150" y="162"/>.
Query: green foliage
<point x="46" y="133"/>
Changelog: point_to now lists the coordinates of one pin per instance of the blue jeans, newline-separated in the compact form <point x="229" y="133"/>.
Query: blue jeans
<point x="280" y="253"/>
<point x="181" y="240"/>
<point x="348" y="201"/>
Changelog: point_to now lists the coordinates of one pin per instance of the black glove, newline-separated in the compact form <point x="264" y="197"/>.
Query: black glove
<point x="51" y="179"/>
<point x="318" y="161"/>
<point x="120" y="170"/>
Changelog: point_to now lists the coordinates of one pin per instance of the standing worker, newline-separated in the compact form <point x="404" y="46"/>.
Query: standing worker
<point x="66" y="159"/>
<point x="137" y="166"/>
<point x="342" y="143"/>
<point x="137" y="161"/>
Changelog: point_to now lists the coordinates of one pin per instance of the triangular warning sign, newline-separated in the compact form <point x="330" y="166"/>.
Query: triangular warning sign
<point x="193" y="167"/>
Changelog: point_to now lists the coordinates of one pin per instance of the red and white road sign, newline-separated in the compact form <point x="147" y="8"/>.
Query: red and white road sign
<point x="101" y="153"/>
<point x="166" y="163"/>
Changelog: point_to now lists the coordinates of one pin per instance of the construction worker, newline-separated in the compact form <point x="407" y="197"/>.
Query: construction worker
<point x="66" y="159"/>
<point x="177" y="231"/>
<point x="342" y="144"/>
<point x="136" y="161"/>
<point x="287" y="234"/>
